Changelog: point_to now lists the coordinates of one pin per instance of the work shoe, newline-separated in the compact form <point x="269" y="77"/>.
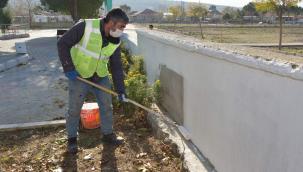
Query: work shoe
<point x="72" y="145"/>
<point x="112" y="139"/>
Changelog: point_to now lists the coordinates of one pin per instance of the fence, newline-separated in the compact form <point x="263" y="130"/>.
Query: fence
<point x="9" y="31"/>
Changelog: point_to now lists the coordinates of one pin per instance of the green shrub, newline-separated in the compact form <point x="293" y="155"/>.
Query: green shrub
<point x="125" y="62"/>
<point x="138" y="66"/>
<point x="138" y="90"/>
<point x="157" y="91"/>
<point x="136" y="84"/>
<point x="125" y="51"/>
<point x="126" y="58"/>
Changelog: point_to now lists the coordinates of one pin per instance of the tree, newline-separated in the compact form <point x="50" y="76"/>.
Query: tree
<point x="198" y="12"/>
<point x="23" y="8"/>
<point x="125" y="8"/>
<point x="76" y="8"/>
<point x="5" y="17"/>
<point x="227" y="17"/>
<point x="175" y="10"/>
<point x="250" y="10"/>
<point x="30" y="6"/>
<point x="230" y="13"/>
<point x="239" y="14"/>
<point x="295" y="10"/>
<point x="3" y="3"/>
<point x="278" y="6"/>
<point x="4" y="14"/>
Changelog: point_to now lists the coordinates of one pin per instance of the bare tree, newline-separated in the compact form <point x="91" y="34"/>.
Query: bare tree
<point x="23" y="8"/>
<point x="198" y="12"/>
<point x="30" y="7"/>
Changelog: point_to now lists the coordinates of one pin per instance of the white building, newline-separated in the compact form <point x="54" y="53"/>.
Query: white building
<point x="43" y="18"/>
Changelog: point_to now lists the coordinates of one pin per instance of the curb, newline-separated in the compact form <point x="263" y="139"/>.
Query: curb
<point x="165" y="128"/>
<point x="20" y="60"/>
<point x="31" y="125"/>
<point x="14" y="36"/>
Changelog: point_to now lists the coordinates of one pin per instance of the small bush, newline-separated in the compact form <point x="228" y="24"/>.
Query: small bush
<point x="138" y="90"/>
<point x="125" y="62"/>
<point x="157" y="91"/>
<point x="136" y="84"/>
<point x="126" y="58"/>
<point x="138" y="66"/>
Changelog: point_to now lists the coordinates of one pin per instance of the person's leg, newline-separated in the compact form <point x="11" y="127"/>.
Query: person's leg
<point x="105" y="106"/>
<point x="106" y="114"/>
<point x="77" y="93"/>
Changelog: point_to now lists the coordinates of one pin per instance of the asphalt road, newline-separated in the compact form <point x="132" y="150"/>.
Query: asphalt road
<point x="36" y="91"/>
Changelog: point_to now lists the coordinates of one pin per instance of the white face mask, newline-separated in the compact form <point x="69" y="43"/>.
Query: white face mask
<point x="116" y="34"/>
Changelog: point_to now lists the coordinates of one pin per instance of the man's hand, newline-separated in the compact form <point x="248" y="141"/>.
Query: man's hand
<point x="72" y="75"/>
<point x="122" y="98"/>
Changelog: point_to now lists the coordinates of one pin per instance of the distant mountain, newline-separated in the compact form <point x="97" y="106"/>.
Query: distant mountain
<point x="140" y="5"/>
<point x="157" y="5"/>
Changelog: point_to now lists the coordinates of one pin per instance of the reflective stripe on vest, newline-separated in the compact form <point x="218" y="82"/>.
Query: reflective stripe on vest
<point x="88" y="55"/>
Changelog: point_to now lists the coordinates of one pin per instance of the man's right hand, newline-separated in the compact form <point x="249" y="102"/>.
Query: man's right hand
<point x="72" y="75"/>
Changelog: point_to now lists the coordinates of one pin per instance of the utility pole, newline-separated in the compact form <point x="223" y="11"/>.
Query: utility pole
<point x="76" y="10"/>
<point x="108" y="5"/>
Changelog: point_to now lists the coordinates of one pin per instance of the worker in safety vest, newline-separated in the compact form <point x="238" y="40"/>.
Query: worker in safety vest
<point x="85" y="50"/>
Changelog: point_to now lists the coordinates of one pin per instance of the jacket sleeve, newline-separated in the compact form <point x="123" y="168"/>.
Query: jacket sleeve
<point x="117" y="71"/>
<point x="66" y="42"/>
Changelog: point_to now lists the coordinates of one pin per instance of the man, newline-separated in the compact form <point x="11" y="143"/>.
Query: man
<point x="84" y="51"/>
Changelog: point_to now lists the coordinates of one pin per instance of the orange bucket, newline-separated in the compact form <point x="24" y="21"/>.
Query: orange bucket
<point x="90" y="117"/>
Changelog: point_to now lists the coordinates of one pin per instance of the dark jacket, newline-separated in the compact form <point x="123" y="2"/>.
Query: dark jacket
<point x="73" y="36"/>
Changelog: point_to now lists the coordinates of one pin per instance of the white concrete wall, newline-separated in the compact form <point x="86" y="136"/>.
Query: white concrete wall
<point x="244" y="114"/>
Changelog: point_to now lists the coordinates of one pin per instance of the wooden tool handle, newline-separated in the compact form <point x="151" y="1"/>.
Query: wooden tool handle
<point x="115" y="94"/>
<point x="98" y="86"/>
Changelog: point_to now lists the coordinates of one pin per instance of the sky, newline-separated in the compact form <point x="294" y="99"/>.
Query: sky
<point x="234" y="3"/>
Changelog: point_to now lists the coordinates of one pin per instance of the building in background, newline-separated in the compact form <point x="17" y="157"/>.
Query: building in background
<point x="145" y="16"/>
<point x="51" y="17"/>
<point x="213" y="14"/>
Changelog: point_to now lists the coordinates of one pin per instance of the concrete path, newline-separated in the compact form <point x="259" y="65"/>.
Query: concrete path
<point x="35" y="91"/>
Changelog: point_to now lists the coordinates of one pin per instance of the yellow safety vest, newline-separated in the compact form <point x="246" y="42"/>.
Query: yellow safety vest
<point x="88" y="55"/>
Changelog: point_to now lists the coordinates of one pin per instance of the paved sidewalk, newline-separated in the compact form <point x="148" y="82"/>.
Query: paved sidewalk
<point x="36" y="91"/>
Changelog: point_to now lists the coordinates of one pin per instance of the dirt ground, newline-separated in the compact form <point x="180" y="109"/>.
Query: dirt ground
<point x="238" y="33"/>
<point x="297" y="51"/>
<point x="44" y="150"/>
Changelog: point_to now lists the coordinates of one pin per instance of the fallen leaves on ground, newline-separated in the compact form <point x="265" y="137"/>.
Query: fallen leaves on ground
<point x="44" y="150"/>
